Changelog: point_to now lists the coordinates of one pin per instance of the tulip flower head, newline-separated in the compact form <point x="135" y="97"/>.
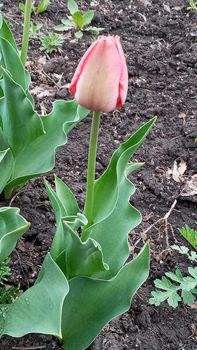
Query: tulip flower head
<point x="100" y="82"/>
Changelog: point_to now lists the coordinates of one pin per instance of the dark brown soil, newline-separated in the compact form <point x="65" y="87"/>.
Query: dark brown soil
<point x="160" y="42"/>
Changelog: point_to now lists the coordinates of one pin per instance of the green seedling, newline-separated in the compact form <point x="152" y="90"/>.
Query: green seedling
<point x="7" y="294"/>
<point x="192" y="5"/>
<point x="192" y="256"/>
<point x="35" y="30"/>
<point x="175" y="288"/>
<point x="78" y="21"/>
<point x="51" y="42"/>
<point x="190" y="235"/>
<point x="42" y="7"/>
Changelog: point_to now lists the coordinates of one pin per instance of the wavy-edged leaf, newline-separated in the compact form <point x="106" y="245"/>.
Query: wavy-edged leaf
<point x="63" y="205"/>
<point x="91" y="303"/>
<point x="113" y="216"/>
<point x="79" y="258"/>
<point x="12" y="227"/>
<point x="11" y="61"/>
<point x="39" y="309"/>
<point x="26" y="132"/>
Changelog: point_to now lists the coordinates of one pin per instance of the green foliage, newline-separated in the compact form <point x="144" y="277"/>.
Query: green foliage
<point x="86" y="279"/>
<point x="192" y="256"/>
<point x="41" y="7"/>
<point x="192" y="5"/>
<point x="7" y="294"/>
<point x="12" y="227"/>
<point x="51" y="42"/>
<point x="35" y="30"/>
<point x="175" y="288"/>
<point x="22" y="130"/>
<point x="190" y="235"/>
<point x="79" y="21"/>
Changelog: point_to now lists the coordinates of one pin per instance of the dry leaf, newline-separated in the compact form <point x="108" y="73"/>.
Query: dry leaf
<point x="190" y="188"/>
<point x="145" y="2"/>
<point x="178" y="170"/>
<point x="167" y="8"/>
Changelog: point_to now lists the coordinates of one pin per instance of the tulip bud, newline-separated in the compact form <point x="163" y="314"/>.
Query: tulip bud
<point x="100" y="82"/>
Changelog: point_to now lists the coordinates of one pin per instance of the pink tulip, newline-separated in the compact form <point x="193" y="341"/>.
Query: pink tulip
<point x="100" y="82"/>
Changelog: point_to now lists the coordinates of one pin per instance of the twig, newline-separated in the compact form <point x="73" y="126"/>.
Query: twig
<point x="29" y="347"/>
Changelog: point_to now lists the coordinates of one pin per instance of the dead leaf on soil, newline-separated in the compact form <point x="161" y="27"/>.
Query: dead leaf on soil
<point x="177" y="171"/>
<point x="167" y="8"/>
<point x="190" y="188"/>
<point x="145" y="2"/>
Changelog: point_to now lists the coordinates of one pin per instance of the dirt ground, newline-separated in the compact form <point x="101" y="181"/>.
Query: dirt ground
<point x="160" y="42"/>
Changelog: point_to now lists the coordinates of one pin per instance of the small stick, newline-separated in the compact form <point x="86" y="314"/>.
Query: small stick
<point x="29" y="348"/>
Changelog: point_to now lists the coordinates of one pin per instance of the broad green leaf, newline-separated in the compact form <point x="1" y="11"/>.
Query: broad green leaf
<point x="88" y="17"/>
<point x="91" y="303"/>
<point x="11" y="61"/>
<point x="79" y="258"/>
<point x="64" y="204"/>
<point x="12" y="227"/>
<point x="6" y="166"/>
<point x="66" y="197"/>
<point x="6" y="33"/>
<point x="94" y="30"/>
<point x="42" y="6"/>
<point x="72" y="6"/>
<point x="78" y="19"/>
<point x="39" y="309"/>
<point x="113" y="216"/>
<point x="43" y="133"/>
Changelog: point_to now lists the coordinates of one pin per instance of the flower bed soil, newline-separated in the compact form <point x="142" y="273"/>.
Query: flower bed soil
<point x="160" y="42"/>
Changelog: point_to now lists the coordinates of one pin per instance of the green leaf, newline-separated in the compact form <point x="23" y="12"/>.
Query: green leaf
<point x="88" y="17"/>
<point x="11" y="61"/>
<point x="66" y="198"/>
<point x="188" y="297"/>
<point x="6" y="33"/>
<point x="94" y="30"/>
<point x="12" y="227"/>
<point x="39" y="309"/>
<point x="79" y="34"/>
<point x="98" y="301"/>
<point x="72" y="7"/>
<point x="45" y="133"/>
<point x="6" y="166"/>
<point x="113" y="216"/>
<point x="79" y="258"/>
<point x="78" y="19"/>
<point x="190" y="235"/>
<point x="176" y="277"/>
<point x="43" y="5"/>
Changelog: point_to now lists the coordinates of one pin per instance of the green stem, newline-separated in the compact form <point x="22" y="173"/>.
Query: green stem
<point x="88" y="210"/>
<point x="27" y="21"/>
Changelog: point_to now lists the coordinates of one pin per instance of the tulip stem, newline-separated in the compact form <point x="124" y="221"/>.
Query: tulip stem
<point x="88" y="210"/>
<point x="26" y="28"/>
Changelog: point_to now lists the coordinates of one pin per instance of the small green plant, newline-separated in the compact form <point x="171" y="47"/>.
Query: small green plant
<point x="79" y="21"/>
<point x="192" y="5"/>
<point x="175" y="288"/>
<point x="190" y="235"/>
<point x="42" y="7"/>
<point x="192" y="256"/>
<point x="35" y="30"/>
<point x="7" y="295"/>
<point x="51" y="42"/>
